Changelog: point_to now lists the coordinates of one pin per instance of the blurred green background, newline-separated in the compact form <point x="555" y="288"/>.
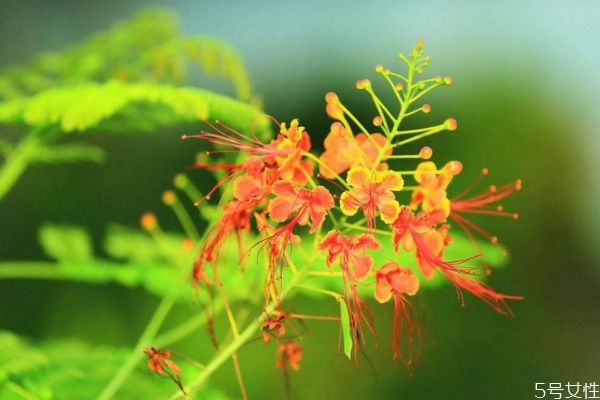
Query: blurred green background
<point x="525" y="96"/>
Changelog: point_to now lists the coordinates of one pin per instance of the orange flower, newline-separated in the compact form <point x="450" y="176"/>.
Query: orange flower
<point x="342" y="150"/>
<point x="419" y="233"/>
<point x="416" y="231"/>
<point x="393" y="281"/>
<point x="372" y="191"/>
<point x="289" y="353"/>
<point x="352" y="251"/>
<point x="301" y="205"/>
<point x="161" y="363"/>
<point x="272" y="326"/>
<point x="431" y="192"/>
<point x="289" y="145"/>
<point x="356" y="265"/>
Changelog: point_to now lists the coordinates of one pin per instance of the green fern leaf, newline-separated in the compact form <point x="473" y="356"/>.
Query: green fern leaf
<point x="70" y="369"/>
<point x="65" y="243"/>
<point x="85" y="106"/>
<point x="69" y="153"/>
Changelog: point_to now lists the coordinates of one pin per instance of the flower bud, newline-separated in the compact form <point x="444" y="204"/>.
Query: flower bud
<point x="451" y="124"/>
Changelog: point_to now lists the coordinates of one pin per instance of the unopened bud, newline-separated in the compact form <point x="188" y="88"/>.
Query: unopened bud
<point x="187" y="244"/>
<point x="426" y="108"/>
<point x="377" y="121"/>
<point x="332" y="98"/>
<point x="180" y="181"/>
<point x="448" y="80"/>
<point x="453" y="167"/>
<point x="148" y="221"/>
<point x="363" y="84"/>
<point x="168" y="197"/>
<point x="451" y="124"/>
<point x="425" y="153"/>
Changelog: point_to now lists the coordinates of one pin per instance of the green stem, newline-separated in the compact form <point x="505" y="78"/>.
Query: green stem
<point x="31" y="270"/>
<point x="226" y="352"/>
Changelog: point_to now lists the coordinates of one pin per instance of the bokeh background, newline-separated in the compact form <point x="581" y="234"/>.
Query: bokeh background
<point x="526" y="96"/>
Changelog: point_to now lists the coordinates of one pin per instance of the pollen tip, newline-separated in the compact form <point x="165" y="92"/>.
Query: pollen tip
<point x="448" y="80"/>
<point x="207" y="197"/>
<point x="438" y="79"/>
<point x="399" y="86"/>
<point x="363" y="84"/>
<point x="426" y="108"/>
<point x="500" y="208"/>
<point x="493" y="188"/>
<point x="377" y="120"/>
<point x="485" y="171"/>
<point x="378" y="68"/>
<point x="148" y="221"/>
<point x="515" y="216"/>
<point x="494" y="239"/>
<point x="185" y="137"/>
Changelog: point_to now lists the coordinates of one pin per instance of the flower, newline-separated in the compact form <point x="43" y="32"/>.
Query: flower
<point x="419" y="233"/>
<point x="431" y="191"/>
<point x="161" y="363"/>
<point x="394" y="281"/>
<point x="300" y="205"/>
<point x="289" y="353"/>
<point x="343" y="150"/>
<point x="372" y="191"/>
<point x="290" y="144"/>
<point x="356" y="265"/>
<point x="273" y="326"/>
<point x="352" y="252"/>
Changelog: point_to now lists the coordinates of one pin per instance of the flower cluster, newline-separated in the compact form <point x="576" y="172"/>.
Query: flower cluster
<point x="351" y="213"/>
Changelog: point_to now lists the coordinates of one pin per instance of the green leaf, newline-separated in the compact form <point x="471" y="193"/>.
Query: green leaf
<point x="69" y="153"/>
<point x="88" y="105"/>
<point x="70" y="369"/>
<point x="346" y="329"/>
<point x="66" y="243"/>
<point x="147" y="47"/>
<point x="17" y="356"/>
<point x="134" y="245"/>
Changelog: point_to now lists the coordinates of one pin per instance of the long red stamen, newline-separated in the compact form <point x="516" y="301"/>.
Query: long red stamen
<point x="494" y="299"/>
